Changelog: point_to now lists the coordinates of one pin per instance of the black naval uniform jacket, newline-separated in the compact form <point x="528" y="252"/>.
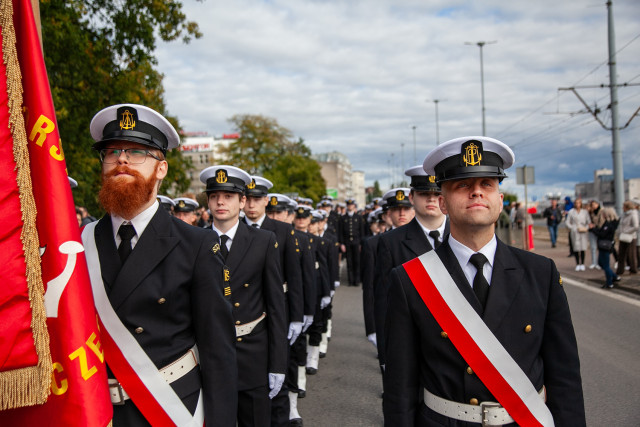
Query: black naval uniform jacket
<point x="290" y="268"/>
<point x="334" y="258"/>
<point x="309" y="279"/>
<point x="369" y="251"/>
<point x="526" y="290"/>
<point x="169" y="295"/>
<point x="395" y="247"/>
<point x="256" y="288"/>
<point x="351" y="229"/>
<point x="321" y="249"/>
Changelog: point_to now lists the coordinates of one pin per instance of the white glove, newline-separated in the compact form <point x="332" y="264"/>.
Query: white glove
<point x="308" y="320"/>
<point x="294" y="331"/>
<point x="332" y="293"/>
<point x="324" y="302"/>
<point x="336" y="284"/>
<point x="275" y="384"/>
<point x="373" y="340"/>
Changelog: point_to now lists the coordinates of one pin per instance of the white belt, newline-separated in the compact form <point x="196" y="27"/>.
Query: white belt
<point x="172" y="372"/>
<point x="486" y="413"/>
<point x="247" y="328"/>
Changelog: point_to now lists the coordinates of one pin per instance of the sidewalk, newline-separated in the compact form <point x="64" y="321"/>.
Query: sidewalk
<point x="566" y="265"/>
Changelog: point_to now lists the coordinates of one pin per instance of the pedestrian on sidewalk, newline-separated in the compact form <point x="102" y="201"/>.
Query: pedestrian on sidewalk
<point x="553" y="214"/>
<point x="593" y="209"/>
<point x="604" y="228"/>
<point x="578" y="223"/>
<point x="629" y="226"/>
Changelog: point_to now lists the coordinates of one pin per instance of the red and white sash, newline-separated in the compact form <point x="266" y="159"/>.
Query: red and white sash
<point x="476" y="343"/>
<point x="152" y="395"/>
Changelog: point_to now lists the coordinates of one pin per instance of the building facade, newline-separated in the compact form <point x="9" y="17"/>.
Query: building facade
<point x="336" y="170"/>
<point x="602" y="188"/>
<point x="204" y="150"/>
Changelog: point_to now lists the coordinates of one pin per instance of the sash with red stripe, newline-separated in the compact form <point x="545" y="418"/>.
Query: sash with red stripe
<point x="476" y="343"/>
<point x="133" y="368"/>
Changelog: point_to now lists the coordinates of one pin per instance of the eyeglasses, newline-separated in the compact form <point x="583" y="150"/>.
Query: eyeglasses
<point x="134" y="155"/>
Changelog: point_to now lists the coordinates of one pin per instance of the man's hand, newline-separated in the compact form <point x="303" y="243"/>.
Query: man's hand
<point x="324" y="302"/>
<point x="308" y="320"/>
<point x="275" y="384"/>
<point x="294" y="331"/>
<point x="373" y="340"/>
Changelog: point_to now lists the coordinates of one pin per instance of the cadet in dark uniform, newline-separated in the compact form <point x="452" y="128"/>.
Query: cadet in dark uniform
<point x="424" y="232"/>
<point x="166" y="203"/>
<point x="185" y="209"/>
<point x="521" y="336"/>
<point x="350" y="234"/>
<point x="253" y="261"/>
<point x="290" y="266"/>
<point x="369" y="253"/>
<point x="163" y="283"/>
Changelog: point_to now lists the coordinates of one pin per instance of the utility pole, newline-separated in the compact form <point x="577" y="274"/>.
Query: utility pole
<point x="403" y="169"/>
<point x="616" y="151"/>
<point x="618" y="175"/>
<point x="480" y="45"/>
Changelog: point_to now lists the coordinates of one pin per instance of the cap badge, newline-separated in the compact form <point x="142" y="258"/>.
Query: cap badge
<point x="273" y="201"/>
<point x="127" y="121"/>
<point x="432" y="179"/>
<point x="399" y="195"/>
<point x="221" y="176"/>
<point x="300" y="210"/>
<point x="252" y="184"/>
<point x="472" y="154"/>
<point x="181" y="204"/>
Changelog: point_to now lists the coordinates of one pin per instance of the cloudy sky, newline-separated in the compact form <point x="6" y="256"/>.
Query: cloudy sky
<point x="357" y="76"/>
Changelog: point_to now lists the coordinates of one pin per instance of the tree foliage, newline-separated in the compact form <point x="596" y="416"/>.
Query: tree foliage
<point x="265" y="148"/>
<point x="99" y="53"/>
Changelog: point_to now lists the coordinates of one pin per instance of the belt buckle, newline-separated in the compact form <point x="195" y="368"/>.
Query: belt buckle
<point x="486" y="406"/>
<point x="118" y="387"/>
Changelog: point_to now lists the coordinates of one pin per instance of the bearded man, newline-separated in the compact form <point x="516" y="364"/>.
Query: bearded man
<point x="158" y="285"/>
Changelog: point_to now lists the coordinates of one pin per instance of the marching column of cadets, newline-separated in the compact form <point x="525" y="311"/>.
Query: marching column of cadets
<point x="275" y="263"/>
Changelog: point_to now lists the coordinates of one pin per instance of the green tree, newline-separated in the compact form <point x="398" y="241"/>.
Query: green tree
<point x="265" y="148"/>
<point x="99" y="53"/>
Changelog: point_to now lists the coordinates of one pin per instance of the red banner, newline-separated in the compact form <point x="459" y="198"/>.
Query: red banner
<point x="79" y="394"/>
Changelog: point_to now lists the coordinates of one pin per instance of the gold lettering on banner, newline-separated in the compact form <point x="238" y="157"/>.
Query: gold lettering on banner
<point x="63" y="385"/>
<point x="43" y="127"/>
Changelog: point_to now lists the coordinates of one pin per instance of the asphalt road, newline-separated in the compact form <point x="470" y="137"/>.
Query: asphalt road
<point x="346" y="391"/>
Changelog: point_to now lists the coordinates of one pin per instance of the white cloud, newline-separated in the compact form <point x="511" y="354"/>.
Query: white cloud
<point x="354" y="76"/>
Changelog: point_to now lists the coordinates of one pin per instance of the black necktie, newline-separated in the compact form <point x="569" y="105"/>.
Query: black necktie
<point x="126" y="233"/>
<point x="480" y="284"/>
<point x="223" y="245"/>
<point x="434" y="234"/>
<point x="254" y="225"/>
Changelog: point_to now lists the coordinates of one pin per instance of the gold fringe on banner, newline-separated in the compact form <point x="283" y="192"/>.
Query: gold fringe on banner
<point x="31" y="385"/>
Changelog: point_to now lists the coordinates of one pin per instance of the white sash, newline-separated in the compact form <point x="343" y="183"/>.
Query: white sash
<point x="135" y="356"/>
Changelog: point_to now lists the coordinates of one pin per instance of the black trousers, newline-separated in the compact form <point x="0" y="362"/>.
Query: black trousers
<point x="254" y="407"/>
<point x="353" y="263"/>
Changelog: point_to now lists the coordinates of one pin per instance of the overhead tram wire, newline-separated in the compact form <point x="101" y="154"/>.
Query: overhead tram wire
<point x="500" y="133"/>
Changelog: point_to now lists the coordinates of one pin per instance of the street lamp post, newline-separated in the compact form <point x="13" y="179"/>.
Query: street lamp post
<point x="480" y="45"/>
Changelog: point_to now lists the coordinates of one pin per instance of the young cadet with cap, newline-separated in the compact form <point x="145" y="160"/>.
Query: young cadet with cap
<point x="424" y="232"/>
<point x="397" y="202"/>
<point x="350" y="234"/>
<point x="333" y="262"/>
<point x="166" y="203"/>
<point x="283" y="208"/>
<point x="185" y="210"/>
<point x="368" y="256"/>
<point x="477" y="321"/>
<point x="253" y="262"/>
<point x="157" y="285"/>
<point x="291" y="271"/>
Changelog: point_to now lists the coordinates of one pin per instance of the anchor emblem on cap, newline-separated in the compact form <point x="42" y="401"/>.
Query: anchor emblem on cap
<point x="273" y="201"/>
<point x="221" y="176"/>
<point x="400" y="195"/>
<point x="472" y="156"/>
<point x="252" y="184"/>
<point x="127" y="122"/>
<point x="432" y="179"/>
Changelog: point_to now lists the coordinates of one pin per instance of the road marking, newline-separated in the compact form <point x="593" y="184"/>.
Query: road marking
<point x="601" y="291"/>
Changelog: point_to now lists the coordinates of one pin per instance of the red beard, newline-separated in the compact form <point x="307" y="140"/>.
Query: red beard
<point x="122" y="197"/>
